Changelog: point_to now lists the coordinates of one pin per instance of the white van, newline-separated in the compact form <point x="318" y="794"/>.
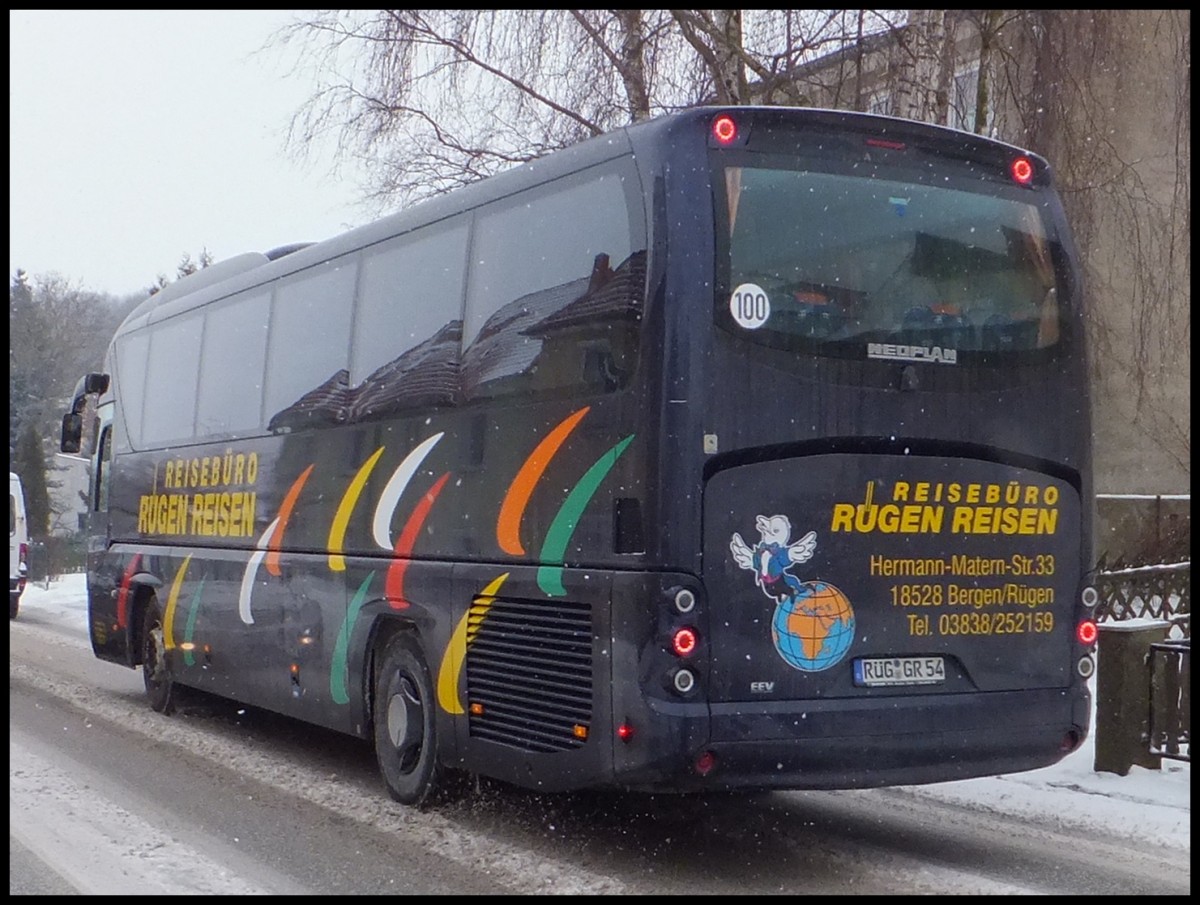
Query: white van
<point x="18" y="544"/>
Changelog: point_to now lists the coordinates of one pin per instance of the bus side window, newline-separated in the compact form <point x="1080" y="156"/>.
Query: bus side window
<point x="231" y="369"/>
<point x="408" y="325"/>
<point x="172" y="368"/>
<point x="308" y="349"/>
<point x="554" y="294"/>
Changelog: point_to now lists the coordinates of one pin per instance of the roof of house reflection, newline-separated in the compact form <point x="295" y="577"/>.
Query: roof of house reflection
<point x="508" y="344"/>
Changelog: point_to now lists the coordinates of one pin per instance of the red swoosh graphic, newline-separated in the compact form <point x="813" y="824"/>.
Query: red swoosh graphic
<point x="394" y="587"/>
<point x="123" y="595"/>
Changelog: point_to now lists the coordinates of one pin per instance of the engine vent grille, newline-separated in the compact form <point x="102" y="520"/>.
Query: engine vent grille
<point x="529" y="673"/>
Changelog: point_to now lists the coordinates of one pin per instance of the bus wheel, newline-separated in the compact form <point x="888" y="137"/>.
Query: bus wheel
<point x="160" y="687"/>
<point x="405" y="730"/>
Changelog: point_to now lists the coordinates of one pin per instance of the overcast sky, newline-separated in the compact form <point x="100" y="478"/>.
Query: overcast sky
<point x="138" y="136"/>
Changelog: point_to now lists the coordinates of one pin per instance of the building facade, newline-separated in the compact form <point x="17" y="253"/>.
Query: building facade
<point x="1105" y="96"/>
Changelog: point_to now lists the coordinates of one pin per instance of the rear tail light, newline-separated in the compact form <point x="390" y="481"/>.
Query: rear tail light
<point x="684" y="641"/>
<point x="1086" y="632"/>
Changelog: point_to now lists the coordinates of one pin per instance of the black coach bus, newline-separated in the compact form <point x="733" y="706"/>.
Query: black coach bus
<point x="739" y="449"/>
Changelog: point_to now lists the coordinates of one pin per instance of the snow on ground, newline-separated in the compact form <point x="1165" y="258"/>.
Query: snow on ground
<point x="1151" y="805"/>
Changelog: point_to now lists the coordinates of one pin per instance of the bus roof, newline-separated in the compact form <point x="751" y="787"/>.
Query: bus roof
<point x="250" y="269"/>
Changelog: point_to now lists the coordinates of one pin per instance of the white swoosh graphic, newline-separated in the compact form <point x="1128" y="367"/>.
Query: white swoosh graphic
<point x="381" y="527"/>
<point x="251" y="569"/>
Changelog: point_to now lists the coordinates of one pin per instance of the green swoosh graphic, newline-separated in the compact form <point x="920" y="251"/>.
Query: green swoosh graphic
<point x="554" y="549"/>
<point x="189" y="656"/>
<point x="337" y="666"/>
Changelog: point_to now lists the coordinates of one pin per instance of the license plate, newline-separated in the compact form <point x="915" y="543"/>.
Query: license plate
<point x="874" y="671"/>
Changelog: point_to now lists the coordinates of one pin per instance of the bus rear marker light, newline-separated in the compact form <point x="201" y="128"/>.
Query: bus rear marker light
<point x="684" y="681"/>
<point x="685" y="600"/>
<point x="1022" y="171"/>
<point x="724" y="129"/>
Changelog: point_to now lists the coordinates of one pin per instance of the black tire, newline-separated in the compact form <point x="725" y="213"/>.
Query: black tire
<point x="14" y="604"/>
<point x="161" y="690"/>
<point x="406" y="744"/>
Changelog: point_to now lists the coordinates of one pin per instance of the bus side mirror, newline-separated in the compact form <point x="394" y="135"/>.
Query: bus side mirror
<point x="71" y="440"/>
<point x="95" y="383"/>
<point x="72" y="433"/>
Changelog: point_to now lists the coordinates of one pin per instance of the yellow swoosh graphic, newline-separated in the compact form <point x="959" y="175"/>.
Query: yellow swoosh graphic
<point x="172" y="599"/>
<point x="337" y="531"/>
<point x="456" y="652"/>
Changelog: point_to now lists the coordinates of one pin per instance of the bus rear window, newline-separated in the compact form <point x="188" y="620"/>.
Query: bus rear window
<point x="841" y="264"/>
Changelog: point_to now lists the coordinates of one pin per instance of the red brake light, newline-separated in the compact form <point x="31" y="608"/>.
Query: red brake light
<point x="1022" y="171"/>
<point x="724" y="129"/>
<point x="683" y="642"/>
<point x="1086" y="632"/>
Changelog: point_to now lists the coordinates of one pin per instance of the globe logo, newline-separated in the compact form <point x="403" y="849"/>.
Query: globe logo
<point x="813" y="628"/>
<point x="813" y="623"/>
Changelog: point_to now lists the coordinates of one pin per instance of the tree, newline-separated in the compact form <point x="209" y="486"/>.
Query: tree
<point x="57" y="332"/>
<point x="922" y="91"/>
<point x="22" y="324"/>
<point x="429" y="100"/>
<point x="29" y="461"/>
<point x="185" y="268"/>
<point x="1127" y="190"/>
<point x="51" y="321"/>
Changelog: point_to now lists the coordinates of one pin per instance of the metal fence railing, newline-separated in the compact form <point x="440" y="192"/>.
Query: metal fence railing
<point x="1157" y="592"/>
<point x="1170" y="725"/>
<point x="1160" y="595"/>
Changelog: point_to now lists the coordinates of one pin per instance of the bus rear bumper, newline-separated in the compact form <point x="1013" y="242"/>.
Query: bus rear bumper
<point x="885" y="741"/>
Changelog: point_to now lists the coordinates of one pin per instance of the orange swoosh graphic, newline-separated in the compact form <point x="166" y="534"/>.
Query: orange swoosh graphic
<point x="337" y="531"/>
<point x="394" y="588"/>
<point x="509" y="522"/>
<point x="285" y="513"/>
